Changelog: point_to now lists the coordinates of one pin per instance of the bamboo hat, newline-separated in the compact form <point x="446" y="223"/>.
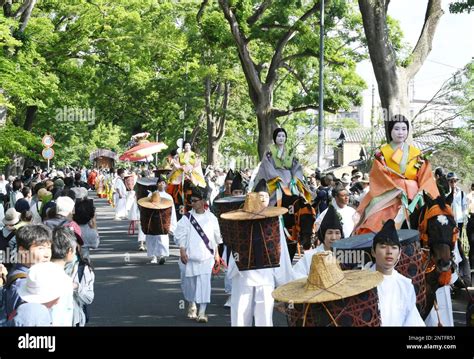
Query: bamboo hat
<point x="155" y="202"/>
<point x="253" y="209"/>
<point x="327" y="282"/>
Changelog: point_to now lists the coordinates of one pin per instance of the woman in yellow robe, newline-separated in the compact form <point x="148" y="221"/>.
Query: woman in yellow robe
<point x="188" y="165"/>
<point x="398" y="177"/>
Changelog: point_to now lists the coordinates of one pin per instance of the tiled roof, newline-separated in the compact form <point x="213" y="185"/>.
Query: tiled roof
<point x="362" y="136"/>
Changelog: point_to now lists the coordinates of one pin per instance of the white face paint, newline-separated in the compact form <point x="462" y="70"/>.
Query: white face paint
<point x="442" y="219"/>
<point x="399" y="132"/>
<point x="280" y="138"/>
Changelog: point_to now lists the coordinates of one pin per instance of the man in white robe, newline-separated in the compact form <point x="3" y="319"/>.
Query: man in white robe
<point x="329" y="232"/>
<point x="120" y="195"/>
<point x="251" y="299"/>
<point x="199" y="253"/>
<point x="397" y="298"/>
<point x="158" y="246"/>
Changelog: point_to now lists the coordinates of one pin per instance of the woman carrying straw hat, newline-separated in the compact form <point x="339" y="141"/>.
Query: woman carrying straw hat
<point x="251" y="298"/>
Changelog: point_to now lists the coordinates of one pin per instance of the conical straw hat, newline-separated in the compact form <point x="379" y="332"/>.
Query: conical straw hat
<point x="253" y="209"/>
<point x="327" y="282"/>
<point x="155" y="202"/>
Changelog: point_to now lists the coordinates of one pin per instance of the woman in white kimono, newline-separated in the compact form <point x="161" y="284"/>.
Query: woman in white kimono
<point x="198" y="236"/>
<point x="251" y="299"/>
<point x="329" y="232"/>
<point x="397" y="298"/>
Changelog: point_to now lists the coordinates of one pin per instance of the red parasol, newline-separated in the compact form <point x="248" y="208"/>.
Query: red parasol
<point x="142" y="151"/>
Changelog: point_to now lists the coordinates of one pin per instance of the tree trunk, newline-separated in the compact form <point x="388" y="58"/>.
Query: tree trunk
<point x="3" y="112"/>
<point x="31" y="112"/>
<point x="393" y="79"/>
<point x="215" y="117"/>
<point x="266" y="120"/>
<point x="394" y="97"/>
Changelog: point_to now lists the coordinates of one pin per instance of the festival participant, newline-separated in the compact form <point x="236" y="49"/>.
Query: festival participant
<point x="329" y="231"/>
<point x="158" y="245"/>
<point x="198" y="235"/>
<point x="188" y="165"/>
<point x="251" y="299"/>
<point x="398" y="178"/>
<point x="120" y="195"/>
<point x="282" y="171"/>
<point x="397" y="298"/>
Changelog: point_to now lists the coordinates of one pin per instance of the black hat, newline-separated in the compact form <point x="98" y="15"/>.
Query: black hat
<point x="387" y="235"/>
<point x="237" y="183"/>
<point x="160" y="179"/>
<point x="261" y="186"/>
<point x="330" y="221"/>
<point x="199" y="192"/>
<point x="395" y="119"/>
<point x="230" y="176"/>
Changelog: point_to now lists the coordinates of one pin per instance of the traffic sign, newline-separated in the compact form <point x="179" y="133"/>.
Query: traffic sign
<point x="48" y="141"/>
<point x="47" y="153"/>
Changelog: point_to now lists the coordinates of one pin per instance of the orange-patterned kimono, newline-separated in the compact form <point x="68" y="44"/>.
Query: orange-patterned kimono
<point x="396" y="187"/>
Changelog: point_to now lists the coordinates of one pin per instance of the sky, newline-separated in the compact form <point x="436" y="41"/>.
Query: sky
<point x="453" y="47"/>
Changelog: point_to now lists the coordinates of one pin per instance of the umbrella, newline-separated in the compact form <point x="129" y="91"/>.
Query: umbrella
<point x="143" y="150"/>
<point x="132" y="158"/>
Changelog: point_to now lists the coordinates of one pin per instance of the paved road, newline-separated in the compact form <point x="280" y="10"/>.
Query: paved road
<point x="129" y="291"/>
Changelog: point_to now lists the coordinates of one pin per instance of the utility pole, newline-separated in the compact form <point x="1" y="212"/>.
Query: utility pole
<point x="156" y="155"/>
<point x="321" y="85"/>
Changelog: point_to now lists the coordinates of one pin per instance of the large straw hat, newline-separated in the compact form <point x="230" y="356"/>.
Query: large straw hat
<point x="327" y="282"/>
<point x="253" y="209"/>
<point x="155" y="202"/>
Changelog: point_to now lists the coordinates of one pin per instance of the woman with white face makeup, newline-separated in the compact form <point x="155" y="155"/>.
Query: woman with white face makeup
<point x="187" y="164"/>
<point x="281" y="170"/>
<point x="401" y="173"/>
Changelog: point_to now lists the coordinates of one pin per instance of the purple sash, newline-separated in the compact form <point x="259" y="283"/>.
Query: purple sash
<point x="200" y="231"/>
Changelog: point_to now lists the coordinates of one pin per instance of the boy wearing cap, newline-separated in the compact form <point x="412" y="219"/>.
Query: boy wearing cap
<point x="329" y="232"/>
<point x="40" y="291"/>
<point x="397" y="298"/>
<point x="198" y="236"/>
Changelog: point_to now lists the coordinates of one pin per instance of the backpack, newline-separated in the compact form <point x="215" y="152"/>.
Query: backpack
<point x="4" y="240"/>
<point x="4" y="316"/>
